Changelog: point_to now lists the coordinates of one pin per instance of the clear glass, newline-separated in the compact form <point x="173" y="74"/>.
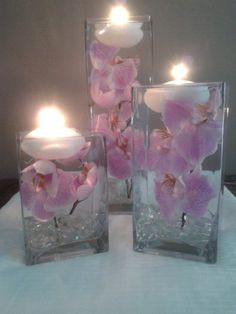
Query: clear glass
<point x="118" y="57"/>
<point x="177" y="168"/>
<point x="63" y="187"/>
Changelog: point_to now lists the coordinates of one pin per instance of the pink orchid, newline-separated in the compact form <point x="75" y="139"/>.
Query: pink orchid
<point x="190" y="195"/>
<point x="169" y="192"/>
<point x="101" y="55"/>
<point x="196" y="130"/>
<point x="84" y="183"/>
<point x="111" y="77"/>
<point x="116" y="120"/>
<point x="198" y="193"/>
<point x="123" y="74"/>
<point x="45" y="190"/>
<point x="101" y="91"/>
<point x="162" y="156"/>
<point x="119" y="156"/>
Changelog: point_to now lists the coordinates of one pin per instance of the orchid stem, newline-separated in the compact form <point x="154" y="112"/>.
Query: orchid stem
<point x="73" y="207"/>
<point x="55" y="222"/>
<point x="183" y="220"/>
<point x="128" y="187"/>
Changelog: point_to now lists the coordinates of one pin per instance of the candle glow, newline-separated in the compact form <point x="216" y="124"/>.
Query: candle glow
<point x="50" y="118"/>
<point x="119" y="15"/>
<point x="51" y="140"/>
<point x="179" y="72"/>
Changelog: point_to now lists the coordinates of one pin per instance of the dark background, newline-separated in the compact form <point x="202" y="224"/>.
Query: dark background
<point x="42" y="58"/>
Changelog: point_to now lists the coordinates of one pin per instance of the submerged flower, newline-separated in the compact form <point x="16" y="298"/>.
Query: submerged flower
<point x="190" y="195"/>
<point x="101" y="54"/>
<point x="169" y="192"/>
<point x="196" y="129"/>
<point x="198" y="193"/>
<point x="84" y="183"/>
<point x="45" y="190"/>
<point x="162" y="156"/>
<point x="119" y="156"/>
<point x="114" y="127"/>
<point x="111" y="77"/>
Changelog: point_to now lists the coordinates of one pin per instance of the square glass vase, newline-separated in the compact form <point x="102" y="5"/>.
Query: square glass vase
<point x="177" y="169"/>
<point x="63" y="188"/>
<point x="118" y="57"/>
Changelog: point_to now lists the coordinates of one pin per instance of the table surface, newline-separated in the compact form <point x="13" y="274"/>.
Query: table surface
<point x="119" y="281"/>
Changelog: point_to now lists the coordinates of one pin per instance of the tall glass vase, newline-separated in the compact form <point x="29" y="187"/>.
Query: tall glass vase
<point x="177" y="169"/>
<point x="118" y="57"/>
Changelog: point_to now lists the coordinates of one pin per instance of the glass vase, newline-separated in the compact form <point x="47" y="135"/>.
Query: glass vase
<point x="63" y="188"/>
<point x="118" y="57"/>
<point x="177" y="169"/>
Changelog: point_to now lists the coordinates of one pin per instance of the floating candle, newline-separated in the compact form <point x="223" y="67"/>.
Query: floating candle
<point x="119" y="32"/>
<point x="178" y="90"/>
<point x="52" y="140"/>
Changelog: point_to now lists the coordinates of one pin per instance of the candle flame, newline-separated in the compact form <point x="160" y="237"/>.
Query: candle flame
<point x="119" y="15"/>
<point x="179" y="71"/>
<point x="50" y="118"/>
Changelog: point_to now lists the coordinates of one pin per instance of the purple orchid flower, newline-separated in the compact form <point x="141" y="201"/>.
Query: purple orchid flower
<point x="119" y="155"/>
<point x="45" y="190"/>
<point x="190" y="194"/>
<point x="84" y="183"/>
<point x="162" y="156"/>
<point x="169" y="192"/>
<point x="198" y="193"/>
<point x="196" y="129"/>
<point x="111" y="77"/>
<point x="101" y="54"/>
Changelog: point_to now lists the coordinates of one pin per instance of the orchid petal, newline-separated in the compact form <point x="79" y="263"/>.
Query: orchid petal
<point x="35" y="202"/>
<point x="28" y="174"/>
<point x="123" y="74"/>
<point x="106" y="100"/>
<point x="166" y="161"/>
<point x="48" y="169"/>
<point x="84" y="191"/>
<point x="168" y="196"/>
<point x="100" y="124"/>
<point x="92" y="175"/>
<point x="39" y="212"/>
<point x="64" y="196"/>
<point x="198" y="193"/>
<point x="101" y="54"/>
<point x="119" y="164"/>
<point x="175" y="115"/>
<point x="195" y="143"/>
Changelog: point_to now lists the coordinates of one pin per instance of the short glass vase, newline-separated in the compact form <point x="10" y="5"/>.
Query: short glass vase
<point x="177" y="169"/>
<point x="63" y="188"/>
<point x="118" y="56"/>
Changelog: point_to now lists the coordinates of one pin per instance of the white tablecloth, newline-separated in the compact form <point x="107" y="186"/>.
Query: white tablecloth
<point x="120" y="281"/>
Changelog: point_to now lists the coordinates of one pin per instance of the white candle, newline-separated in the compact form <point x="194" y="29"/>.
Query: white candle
<point x="52" y="140"/>
<point x="178" y="90"/>
<point x="119" y="32"/>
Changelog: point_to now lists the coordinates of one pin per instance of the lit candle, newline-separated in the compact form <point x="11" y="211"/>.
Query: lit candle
<point x="119" y="32"/>
<point x="52" y="140"/>
<point x="179" y="90"/>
